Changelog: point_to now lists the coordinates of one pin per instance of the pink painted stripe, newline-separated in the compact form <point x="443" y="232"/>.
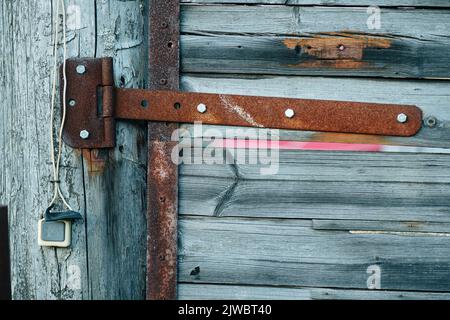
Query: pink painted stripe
<point x="295" y="145"/>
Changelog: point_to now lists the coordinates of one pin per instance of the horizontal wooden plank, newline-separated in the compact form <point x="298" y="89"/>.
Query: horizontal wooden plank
<point x="430" y="96"/>
<point x="290" y="253"/>
<point x="383" y="226"/>
<point x="194" y="291"/>
<point x="199" y="291"/>
<point x="396" y="3"/>
<point x="317" y="54"/>
<point x="314" y="199"/>
<point x="325" y="166"/>
<point x="291" y="20"/>
<point x="290" y="40"/>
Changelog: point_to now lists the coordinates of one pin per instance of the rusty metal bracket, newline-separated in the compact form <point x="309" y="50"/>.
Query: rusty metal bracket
<point x="162" y="173"/>
<point x="94" y="103"/>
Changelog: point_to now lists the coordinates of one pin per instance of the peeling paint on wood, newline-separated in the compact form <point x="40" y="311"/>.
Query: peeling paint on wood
<point x="335" y="52"/>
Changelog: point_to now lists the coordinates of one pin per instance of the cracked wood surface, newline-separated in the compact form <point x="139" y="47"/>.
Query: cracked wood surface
<point x="107" y="257"/>
<point x="397" y="203"/>
<point x="293" y="40"/>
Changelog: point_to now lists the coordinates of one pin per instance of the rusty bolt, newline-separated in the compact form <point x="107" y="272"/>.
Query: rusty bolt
<point x="84" y="134"/>
<point x="81" y="69"/>
<point x="289" y="113"/>
<point x="201" y="108"/>
<point x="402" y="118"/>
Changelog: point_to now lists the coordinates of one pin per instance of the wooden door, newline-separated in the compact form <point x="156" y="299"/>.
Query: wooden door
<point x="329" y="224"/>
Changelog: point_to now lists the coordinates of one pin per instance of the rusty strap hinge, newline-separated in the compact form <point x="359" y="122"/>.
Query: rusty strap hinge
<point x="94" y="104"/>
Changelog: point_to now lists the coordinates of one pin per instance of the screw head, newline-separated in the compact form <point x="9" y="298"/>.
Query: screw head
<point x="341" y="47"/>
<point x="81" y="69"/>
<point x="289" y="113"/>
<point x="72" y="102"/>
<point x="84" y="134"/>
<point x="402" y="118"/>
<point x="431" y="122"/>
<point x="201" y="108"/>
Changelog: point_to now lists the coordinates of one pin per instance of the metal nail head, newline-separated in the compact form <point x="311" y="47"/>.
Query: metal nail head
<point x="201" y="108"/>
<point x="81" y="69"/>
<point x="84" y="134"/>
<point x="402" y="118"/>
<point x="289" y="113"/>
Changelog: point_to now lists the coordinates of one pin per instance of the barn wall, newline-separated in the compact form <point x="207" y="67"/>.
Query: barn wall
<point x="309" y="232"/>
<point x="319" y="227"/>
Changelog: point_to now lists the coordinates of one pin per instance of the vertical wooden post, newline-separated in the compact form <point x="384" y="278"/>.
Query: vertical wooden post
<point x="162" y="179"/>
<point x="5" y="268"/>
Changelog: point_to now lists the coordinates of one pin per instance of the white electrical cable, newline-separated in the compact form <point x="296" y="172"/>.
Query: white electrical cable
<point x="56" y="162"/>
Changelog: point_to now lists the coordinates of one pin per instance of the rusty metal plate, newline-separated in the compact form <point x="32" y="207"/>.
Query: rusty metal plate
<point x="269" y="112"/>
<point x="162" y="178"/>
<point x="89" y="103"/>
<point x="93" y="103"/>
<point x="5" y="266"/>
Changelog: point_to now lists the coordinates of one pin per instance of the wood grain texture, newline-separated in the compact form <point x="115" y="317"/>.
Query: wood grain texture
<point x="322" y="185"/>
<point x="396" y="3"/>
<point x="296" y="21"/>
<point x="290" y="253"/>
<point x="430" y="96"/>
<point x="115" y="180"/>
<point x="189" y="291"/>
<point x="25" y="169"/>
<point x="107" y="256"/>
<point x="395" y="205"/>
<point x="294" y="40"/>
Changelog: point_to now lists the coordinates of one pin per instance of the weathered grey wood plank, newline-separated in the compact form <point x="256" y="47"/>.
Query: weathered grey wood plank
<point x="383" y="226"/>
<point x="333" y="294"/>
<point x="115" y="180"/>
<point x="235" y="39"/>
<point x="310" y="199"/>
<point x="329" y="166"/>
<point x="431" y="96"/>
<point x="191" y="291"/>
<point x="198" y="291"/>
<point x="25" y="169"/>
<point x="212" y="251"/>
<point x="318" y="54"/>
<point x="286" y="20"/>
<point x="421" y="3"/>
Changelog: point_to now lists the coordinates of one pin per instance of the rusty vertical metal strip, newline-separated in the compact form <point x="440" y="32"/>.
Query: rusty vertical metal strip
<point x="5" y="267"/>
<point x="162" y="179"/>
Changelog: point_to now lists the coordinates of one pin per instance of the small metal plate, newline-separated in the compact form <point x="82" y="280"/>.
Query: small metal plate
<point x="87" y="109"/>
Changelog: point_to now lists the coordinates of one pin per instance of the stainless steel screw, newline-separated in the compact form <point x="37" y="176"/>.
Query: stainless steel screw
<point x="289" y="113"/>
<point x="201" y="108"/>
<point x="81" y="69"/>
<point x="402" y="118"/>
<point x="84" y="134"/>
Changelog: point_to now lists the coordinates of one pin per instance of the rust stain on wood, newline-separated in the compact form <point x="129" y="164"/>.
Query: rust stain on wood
<point x="349" y="138"/>
<point x="96" y="160"/>
<point x="337" y="52"/>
